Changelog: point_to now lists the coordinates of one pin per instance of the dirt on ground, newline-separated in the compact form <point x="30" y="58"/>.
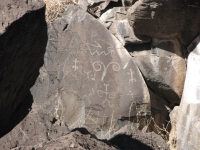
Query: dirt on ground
<point x="130" y="138"/>
<point x="127" y="138"/>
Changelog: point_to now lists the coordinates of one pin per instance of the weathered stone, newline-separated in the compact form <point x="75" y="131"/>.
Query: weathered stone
<point x="123" y="31"/>
<point x="116" y="13"/>
<point x="95" y="7"/>
<point x="23" y="37"/>
<point x="163" y="68"/>
<point x="186" y="118"/>
<point x="88" y="77"/>
<point x="160" y="109"/>
<point x="166" y="19"/>
<point x="117" y="22"/>
<point x="129" y="3"/>
<point x="13" y="10"/>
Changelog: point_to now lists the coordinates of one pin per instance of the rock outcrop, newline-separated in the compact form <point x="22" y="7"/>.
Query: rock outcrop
<point x="82" y="81"/>
<point x="185" y="118"/>
<point x="163" y="68"/>
<point x="23" y="37"/>
<point x="102" y="65"/>
<point x="116" y="21"/>
<point x="166" y="19"/>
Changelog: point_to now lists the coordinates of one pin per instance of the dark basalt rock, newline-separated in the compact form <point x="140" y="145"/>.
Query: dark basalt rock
<point x="166" y="19"/>
<point x="116" y="21"/>
<point x="162" y="66"/>
<point x="23" y="37"/>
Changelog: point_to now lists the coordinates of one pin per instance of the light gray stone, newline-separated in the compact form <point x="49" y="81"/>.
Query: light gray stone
<point x="186" y="118"/>
<point x="123" y="31"/>
<point x="116" y="21"/>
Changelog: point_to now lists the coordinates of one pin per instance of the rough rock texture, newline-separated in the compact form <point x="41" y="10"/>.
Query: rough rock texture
<point x="166" y="19"/>
<point x="79" y="139"/>
<point x="130" y="138"/>
<point x="116" y="21"/>
<point x="186" y="118"/>
<point x="160" y="110"/>
<point x="82" y="81"/>
<point x="123" y="31"/>
<point x="163" y="67"/>
<point x="14" y="10"/>
<point x="23" y="37"/>
<point x="33" y="131"/>
<point x="116" y="13"/>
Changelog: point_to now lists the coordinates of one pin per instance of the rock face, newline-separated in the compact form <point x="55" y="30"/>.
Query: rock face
<point x="23" y="37"/>
<point x="163" y="68"/>
<point x="160" y="109"/>
<point x="116" y="21"/>
<point x="82" y="81"/>
<point x="185" y="118"/>
<point x="166" y="19"/>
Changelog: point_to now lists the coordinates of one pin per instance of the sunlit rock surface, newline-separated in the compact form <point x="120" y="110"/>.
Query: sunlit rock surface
<point x="186" y="117"/>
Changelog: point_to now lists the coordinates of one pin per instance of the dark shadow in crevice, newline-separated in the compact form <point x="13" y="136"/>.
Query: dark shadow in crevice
<point x="86" y="132"/>
<point x="138" y="47"/>
<point x="126" y="142"/>
<point x="22" y="48"/>
<point x="111" y="5"/>
<point x="20" y="113"/>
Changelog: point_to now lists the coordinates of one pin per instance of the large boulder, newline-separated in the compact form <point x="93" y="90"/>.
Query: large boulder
<point x="166" y="19"/>
<point x="162" y="66"/>
<point x="185" y="118"/>
<point x="88" y="78"/>
<point x="23" y="38"/>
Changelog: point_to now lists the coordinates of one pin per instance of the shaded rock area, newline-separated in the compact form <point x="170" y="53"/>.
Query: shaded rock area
<point x="160" y="109"/>
<point x="23" y="37"/>
<point x="166" y="19"/>
<point x="130" y="138"/>
<point x="163" y="68"/>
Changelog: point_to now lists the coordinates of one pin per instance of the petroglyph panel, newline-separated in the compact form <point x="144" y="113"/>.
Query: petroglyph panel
<point x="89" y="73"/>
